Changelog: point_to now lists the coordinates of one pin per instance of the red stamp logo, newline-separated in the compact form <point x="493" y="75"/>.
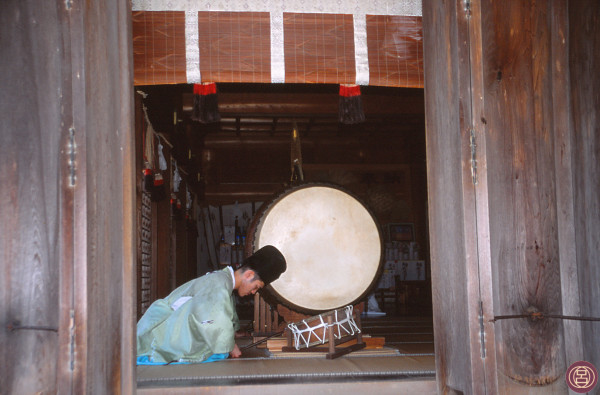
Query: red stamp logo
<point x="582" y="377"/>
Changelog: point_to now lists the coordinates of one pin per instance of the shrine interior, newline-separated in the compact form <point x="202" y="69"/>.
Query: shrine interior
<point x="268" y="139"/>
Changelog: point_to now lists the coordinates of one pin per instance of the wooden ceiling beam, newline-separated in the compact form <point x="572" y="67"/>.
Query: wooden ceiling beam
<point x="232" y="192"/>
<point x="317" y="104"/>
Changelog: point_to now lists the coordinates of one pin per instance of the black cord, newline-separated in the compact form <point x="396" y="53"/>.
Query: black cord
<point x="539" y="316"/>
<point x="16" y="326"/>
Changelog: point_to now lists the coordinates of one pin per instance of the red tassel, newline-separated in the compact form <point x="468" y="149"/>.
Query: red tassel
<point x="176" y="211"/>
<point x="350" y="108"/>
<point x="208" y="88"/>
<point x="349" y="90"/>
<point x="206" y="106"/>
<point x="158" y="188"/>
<point x="148" y="180"/>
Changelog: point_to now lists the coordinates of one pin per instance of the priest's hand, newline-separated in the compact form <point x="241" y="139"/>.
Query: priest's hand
<point x="235" y="353"/>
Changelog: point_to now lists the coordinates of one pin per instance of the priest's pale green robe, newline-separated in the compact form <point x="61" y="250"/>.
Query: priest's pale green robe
<point x="202" y="326"/>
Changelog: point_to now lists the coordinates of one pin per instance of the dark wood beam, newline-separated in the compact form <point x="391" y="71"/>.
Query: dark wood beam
<point x="232" y="192"/>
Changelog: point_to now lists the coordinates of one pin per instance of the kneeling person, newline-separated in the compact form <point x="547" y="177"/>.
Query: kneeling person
<point x="197" y="321"/>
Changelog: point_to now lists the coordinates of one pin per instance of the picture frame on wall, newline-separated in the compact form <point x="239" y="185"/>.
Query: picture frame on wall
<point x="401" y="232"/>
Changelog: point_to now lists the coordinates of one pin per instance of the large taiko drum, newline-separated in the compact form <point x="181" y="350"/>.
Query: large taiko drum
<point x="331" y="242"/>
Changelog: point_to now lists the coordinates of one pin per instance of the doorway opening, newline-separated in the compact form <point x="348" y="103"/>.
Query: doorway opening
<point x="217" y="175"/>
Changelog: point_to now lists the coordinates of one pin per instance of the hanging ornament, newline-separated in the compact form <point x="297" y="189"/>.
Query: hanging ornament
<point x="148" y="180"/>
<point x="176" y="178"/>
<point x="176" y="211"/>
<point x="162" y="162"/>
<point x="350" y="108"/>
<point x="188" y="198"/>
<point x="159" y="191"/>
<point x="206" y="108"/>
<point x="296" y="157"/>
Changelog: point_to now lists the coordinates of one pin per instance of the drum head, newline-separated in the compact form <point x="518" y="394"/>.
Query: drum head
<point x="331" y="243"/>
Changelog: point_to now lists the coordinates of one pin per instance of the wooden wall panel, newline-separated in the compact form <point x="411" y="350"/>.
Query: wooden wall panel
<point x="395" y="47"/>
<point x="159" y="47"/>
<point x="319" y="48"/>
<point x="235" y="46"/>
<point x="584" y="63"/>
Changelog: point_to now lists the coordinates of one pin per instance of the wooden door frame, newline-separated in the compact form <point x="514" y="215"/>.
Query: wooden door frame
<point x="91" y="202"/>
<point x="460" y="206"/>
<point x="92" y="46"/>
<point x="452" y="198"/>
<point x="456" y="161"/>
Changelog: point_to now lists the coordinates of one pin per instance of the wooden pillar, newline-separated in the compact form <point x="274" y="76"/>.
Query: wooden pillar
<point x="68" y="198"/>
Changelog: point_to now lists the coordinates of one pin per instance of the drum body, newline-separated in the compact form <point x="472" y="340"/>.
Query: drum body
<point x="331" y="242"/>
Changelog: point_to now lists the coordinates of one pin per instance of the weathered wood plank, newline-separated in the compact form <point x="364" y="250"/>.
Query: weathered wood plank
<point x="563" y="156"/>
<point x="31" y="140"/>
<point x="66" y="88"/>
<point x="450" y="187"/>
<point x="517" y="64"/>
<point x="104" y="197"/>
<point x="584" y="63"/>
<point x="487" y="333"/>
<point x="532" y="190"/>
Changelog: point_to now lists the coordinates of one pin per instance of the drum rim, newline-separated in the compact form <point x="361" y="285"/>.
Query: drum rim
<point x="264" y="209"/>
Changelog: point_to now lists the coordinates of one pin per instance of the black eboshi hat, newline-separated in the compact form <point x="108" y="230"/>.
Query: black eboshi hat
<point x="268" y="262"/>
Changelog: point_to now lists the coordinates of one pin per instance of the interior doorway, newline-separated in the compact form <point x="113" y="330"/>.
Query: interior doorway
<point x="377" y="160"/>
<point x="229" y="168"/>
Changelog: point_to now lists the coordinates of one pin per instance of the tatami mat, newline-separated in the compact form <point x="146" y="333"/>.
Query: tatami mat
<point x="260" y="370"/>
<point x="407" y="355"/>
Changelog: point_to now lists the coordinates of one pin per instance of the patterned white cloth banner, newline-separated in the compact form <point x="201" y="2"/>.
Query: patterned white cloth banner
<point x="358" y="7"/>
<point x="361" y="53"/>
<point x="277" y="49"/>
<point x="192" y="50"/>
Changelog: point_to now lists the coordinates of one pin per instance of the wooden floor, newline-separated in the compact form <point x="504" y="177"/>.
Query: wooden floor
<point x="406" y="365"/>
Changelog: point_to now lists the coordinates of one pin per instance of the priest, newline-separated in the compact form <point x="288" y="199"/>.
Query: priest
<point x="197" y="321"/>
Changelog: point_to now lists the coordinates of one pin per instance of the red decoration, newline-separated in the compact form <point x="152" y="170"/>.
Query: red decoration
<point x="206" y="107"/>
<point x="351" y="109"/>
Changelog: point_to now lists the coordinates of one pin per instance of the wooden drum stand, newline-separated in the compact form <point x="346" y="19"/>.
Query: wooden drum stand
<point x="309" y="333"/>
